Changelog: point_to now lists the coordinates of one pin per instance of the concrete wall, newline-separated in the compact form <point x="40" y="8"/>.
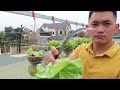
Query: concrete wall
<point x="14" y="50"/>
<point x="42" y="40"/>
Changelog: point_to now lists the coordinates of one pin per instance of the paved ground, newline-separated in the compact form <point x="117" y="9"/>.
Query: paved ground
<point x="14" y="67"/>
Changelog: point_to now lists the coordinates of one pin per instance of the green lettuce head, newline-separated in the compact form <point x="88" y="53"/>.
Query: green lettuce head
<point x="29" y="52"/>
<point x="63" y="69"/>
<point x="55" y="43"/>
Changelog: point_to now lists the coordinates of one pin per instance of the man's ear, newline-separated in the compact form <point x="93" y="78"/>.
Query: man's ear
<point x="87" y="26"/>
<point x="117" y="25"/>
<point x="117" y="28"/>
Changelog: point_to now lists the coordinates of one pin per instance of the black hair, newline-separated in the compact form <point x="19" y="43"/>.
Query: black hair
<point x="114" y="13"/>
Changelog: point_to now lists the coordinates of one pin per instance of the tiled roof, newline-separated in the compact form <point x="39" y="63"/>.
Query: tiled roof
<point x="57" y="25"/>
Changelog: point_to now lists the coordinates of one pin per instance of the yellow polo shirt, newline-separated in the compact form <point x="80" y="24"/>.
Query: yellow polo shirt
<point x="102" y="66"/>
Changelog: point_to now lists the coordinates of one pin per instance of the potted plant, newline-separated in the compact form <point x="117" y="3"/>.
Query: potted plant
<point x="68" y="48"/>
<point x="34" y="57"/>
<point x="55" y="43"/>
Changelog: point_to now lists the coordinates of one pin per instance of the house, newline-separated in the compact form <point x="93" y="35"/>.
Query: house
<point x="47" y="32"/>
<point x="61" y="28"/>
<point x="30" y="35"/>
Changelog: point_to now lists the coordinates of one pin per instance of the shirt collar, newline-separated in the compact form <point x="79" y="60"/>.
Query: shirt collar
<point x="110" y="52"/>
<point x="113" y="50"/>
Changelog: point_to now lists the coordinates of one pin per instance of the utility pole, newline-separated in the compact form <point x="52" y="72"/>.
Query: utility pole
<point x="19" y="38"/>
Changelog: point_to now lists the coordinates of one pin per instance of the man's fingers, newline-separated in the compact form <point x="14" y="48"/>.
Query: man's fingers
<point x="50" y="57"/>
<point x="46" y="60"/>
<point x="54" y="51"/>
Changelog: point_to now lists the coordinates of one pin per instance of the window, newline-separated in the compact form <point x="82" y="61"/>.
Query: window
<point x="60" y="32"/>
<point x="44" y="26"/>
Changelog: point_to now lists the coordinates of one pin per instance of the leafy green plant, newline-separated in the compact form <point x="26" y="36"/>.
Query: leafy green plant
<point x="55" y="43"/>
<point x="79" y="41"/>
<point x="63" y="69"/>
<point x="85" y="40"/>
<point x="31" y="52"/>
<point x="69" y="45"/>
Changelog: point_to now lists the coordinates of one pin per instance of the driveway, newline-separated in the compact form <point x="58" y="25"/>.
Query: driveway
<point x="14" y="67"/>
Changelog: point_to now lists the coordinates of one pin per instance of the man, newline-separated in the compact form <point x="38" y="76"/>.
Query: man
<point x="101" y="58"/>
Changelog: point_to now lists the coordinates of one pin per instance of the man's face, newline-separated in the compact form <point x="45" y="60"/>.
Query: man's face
<point x="104" y="27"/>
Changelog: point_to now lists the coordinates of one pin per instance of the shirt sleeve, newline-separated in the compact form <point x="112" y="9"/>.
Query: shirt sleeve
<point x="77" y="52"/>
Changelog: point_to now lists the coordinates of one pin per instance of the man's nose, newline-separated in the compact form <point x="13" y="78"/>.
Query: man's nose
<point x="100" y="28"/>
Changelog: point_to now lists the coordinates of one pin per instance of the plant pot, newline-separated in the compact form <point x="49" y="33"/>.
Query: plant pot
<point x="35" y="60"/>
<point x="32" y="70"/>
<point x="67" y="52"/>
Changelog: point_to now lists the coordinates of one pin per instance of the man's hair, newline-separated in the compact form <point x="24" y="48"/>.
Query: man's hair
<point x="114" y="13"/>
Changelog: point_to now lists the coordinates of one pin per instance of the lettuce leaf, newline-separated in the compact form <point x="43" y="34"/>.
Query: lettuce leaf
<point x="38" y="53"/>
<point x="29" y="52"/>
<point x="63" y="69"/>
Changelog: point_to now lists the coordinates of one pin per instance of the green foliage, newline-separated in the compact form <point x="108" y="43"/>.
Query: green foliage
<point x="31" y="52"/>
<point x="55" y="43"/>
<point x="79" y="41"/>
<point x="11" y="34"/>
<point x="63" y="69"/>
<point x="2" y="36"/>
<point x="8" y="33"/>
<point x="38" y="53"/>
<point x="27" y="41"/>
<point x="3" y="40"/>
<point x="69" y="45"/>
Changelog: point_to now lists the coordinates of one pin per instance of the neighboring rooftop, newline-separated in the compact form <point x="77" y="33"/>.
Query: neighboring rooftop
<point x="57" y="25"/>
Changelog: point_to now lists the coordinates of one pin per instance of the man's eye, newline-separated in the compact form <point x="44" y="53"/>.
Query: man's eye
<point x="94" y="24"/>
<point x="107" y="24"/>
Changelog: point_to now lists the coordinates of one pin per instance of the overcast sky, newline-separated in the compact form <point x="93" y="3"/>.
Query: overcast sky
<point x="15" y="20"/>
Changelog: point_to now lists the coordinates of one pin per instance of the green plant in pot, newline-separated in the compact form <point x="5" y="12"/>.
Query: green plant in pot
<point x="34" y="57"/>
<point x="55" y="43"/>
<point x="68" y="48"/>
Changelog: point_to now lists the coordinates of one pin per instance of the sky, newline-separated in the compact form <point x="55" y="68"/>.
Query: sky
<point x="15" y="20"/>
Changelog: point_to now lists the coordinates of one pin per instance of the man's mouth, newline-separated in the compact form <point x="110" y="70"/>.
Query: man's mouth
<point x="99" y="36"/>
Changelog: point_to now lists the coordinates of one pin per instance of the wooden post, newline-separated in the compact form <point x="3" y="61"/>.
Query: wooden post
<point x="0" y="51"/>
<point x="10" y="50"/>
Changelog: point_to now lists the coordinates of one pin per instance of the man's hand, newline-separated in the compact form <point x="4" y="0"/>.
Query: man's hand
<point x="50" y="57"/>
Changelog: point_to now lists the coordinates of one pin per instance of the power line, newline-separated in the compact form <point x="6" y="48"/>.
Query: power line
<point x="26" y="13"/>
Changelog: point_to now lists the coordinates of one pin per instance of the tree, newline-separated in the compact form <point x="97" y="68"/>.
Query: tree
<point x="13" y="34"/>
<point x="2" y="38"/>
<point x="9" y="35"/>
